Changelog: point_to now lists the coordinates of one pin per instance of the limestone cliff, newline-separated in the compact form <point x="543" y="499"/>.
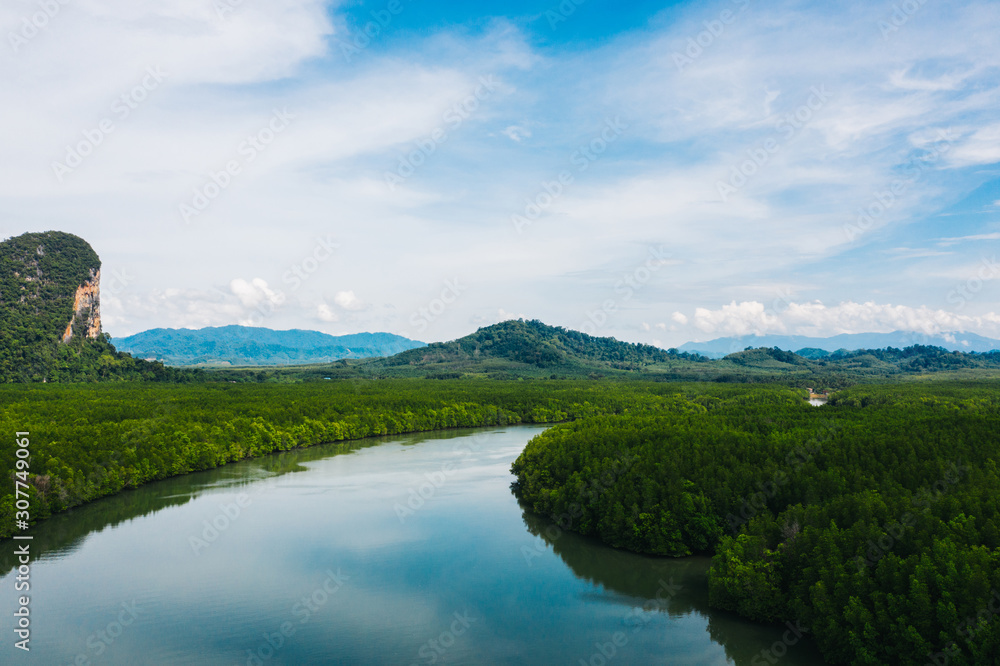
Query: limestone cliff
<point x="50" y="327"/>
<point x="86" y="309"/>
<point x="50" y="314"/>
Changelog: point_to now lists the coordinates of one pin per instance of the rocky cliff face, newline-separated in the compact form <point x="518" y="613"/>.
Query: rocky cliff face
<point x="86" y="309"/>
<point x="50" y="317"/>
<point x="49" y="291"/>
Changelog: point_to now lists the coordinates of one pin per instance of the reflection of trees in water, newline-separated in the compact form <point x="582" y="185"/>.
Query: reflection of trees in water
<point x="64" y="532"/>
<point x="639" y="578"/>
<point x="626" y="573"/>
<point x="451" y="433"/>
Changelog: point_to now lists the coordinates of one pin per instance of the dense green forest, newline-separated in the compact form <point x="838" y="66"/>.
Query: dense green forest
<point x="85" y="360"/>
<point x="873" y="520"/>
<point x="88" y="441"/>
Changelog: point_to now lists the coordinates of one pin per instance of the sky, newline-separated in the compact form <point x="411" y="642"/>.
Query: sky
<point x="660" y="172"/>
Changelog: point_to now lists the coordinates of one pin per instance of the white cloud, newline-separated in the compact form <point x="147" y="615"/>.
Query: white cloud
<point x="256" y="42"/>
<point x="906" y="80"/>
<point x="175" y="308"/>
<point x="915" y="253"/>
<point x="979" y="148"/>
<point x="503" y="315"/>
<point x="657" y="185"/>
<point x="256" y="292"/>
<point x="817" y="319"/>
<point x="973" y="237"/>
<point x="325" y="313"/>
<point x="348" y="300"/>
<point x="490" y="319"/>
<point x="517" y="133"/>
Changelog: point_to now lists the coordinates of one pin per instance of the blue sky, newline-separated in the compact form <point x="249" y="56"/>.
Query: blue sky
<point x="659" y="172"/>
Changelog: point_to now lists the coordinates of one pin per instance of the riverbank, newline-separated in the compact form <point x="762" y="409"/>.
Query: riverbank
<point x="216" y="563"/>
<point x="94" y="440"/>
<point x="816" y="516"/>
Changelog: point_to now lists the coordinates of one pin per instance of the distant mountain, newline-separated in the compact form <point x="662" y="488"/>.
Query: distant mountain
<point x="253" y="346"/>
<point x="814" y="347"/>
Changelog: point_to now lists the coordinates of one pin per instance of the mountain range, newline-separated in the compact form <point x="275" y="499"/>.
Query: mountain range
<point x="254" y="346"/>
<point x="523" y="343"/>
<point x="50" y="331"/>
<point x="814" y="347"/>
<point x="519" y="349"/>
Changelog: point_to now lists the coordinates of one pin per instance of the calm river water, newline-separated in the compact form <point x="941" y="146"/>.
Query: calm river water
<point x="404" y="550"/>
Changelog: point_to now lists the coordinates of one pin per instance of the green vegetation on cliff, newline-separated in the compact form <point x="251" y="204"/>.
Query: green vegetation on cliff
<point x="40" y="274"/>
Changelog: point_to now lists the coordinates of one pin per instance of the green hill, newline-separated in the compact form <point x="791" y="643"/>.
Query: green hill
<point x="769" y="358"/>
<point x="520" y="348"/>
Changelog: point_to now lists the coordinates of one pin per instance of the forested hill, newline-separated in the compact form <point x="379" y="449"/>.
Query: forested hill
<point x="50" y="327"/>
<point x="517" y="345"/>
<point x="256" y="346"/>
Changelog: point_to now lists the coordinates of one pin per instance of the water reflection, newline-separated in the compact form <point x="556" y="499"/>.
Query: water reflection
<point x="640" y="580"/>
<point x="627" y="574"/>
<point x="64" y="532"/>
<point x="333" y="506"/>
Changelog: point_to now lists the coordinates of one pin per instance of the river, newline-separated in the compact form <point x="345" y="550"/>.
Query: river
<point x="403" y="550"/>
